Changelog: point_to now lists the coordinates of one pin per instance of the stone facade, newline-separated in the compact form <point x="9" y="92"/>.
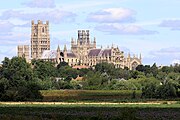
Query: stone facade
<point x="84" y="52"/>
<point x="23" y="51"/>
<point x="40" y="39"/>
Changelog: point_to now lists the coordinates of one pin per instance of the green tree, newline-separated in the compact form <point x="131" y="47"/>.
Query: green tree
<point x="94" y="80"/>
<point x="43" y="69"/>
<point x="149" y="90"/>
<point x="15" y="75"/>
<point x="167" y="90"/>
<point x="105" y="68"/>
<point x="154" y="70"/>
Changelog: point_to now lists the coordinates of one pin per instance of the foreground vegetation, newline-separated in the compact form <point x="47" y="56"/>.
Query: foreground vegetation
<point x="21" y="81"/>
<point x="91" y="112"/>
<point x="91" y="95"/>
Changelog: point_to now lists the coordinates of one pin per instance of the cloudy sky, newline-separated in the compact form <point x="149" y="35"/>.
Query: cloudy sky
<point x="149" y="27"/>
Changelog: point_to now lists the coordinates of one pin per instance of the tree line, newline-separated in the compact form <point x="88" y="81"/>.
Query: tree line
<point x="21" y="81"/>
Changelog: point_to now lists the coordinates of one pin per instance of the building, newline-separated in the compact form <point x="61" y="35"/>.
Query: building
<point x="83" y="50"/>
<point x="84" y="53"/>
<point x="23" y="51"/>
<point x="40" y="39"/>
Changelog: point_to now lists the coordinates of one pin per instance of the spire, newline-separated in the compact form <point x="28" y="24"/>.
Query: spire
<point x="101" y="47"/>
<point x="72" y="41"/>
<point x="65" y="49"/>
<point x="118" y="48"/>
<point x="94" y="40"/>
<point x="94" y="43"/>
<point x="58" y="49"/>
<point x="140" y="57"/>
<point x="112" y="46"/>
<point x="129" y="55"/>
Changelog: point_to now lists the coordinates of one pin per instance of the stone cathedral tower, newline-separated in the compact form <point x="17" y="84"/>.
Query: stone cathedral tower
<point x="82" y="45"/>
<point x="40" y="39"/>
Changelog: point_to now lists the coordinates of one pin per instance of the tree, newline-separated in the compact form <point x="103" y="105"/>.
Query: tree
<point x="140" y="68"/>
<point x="149" y="90"/>
<point x="105" y="68"/>
<point x="177" y="68"/>
<point x="43" y="69"/>
<point x="17" y="71"/>
<point x="154" y="70"/>
<point x="83" y="71"/>
<point x="62" y="64"/>
<point x="16" y="76"/>
<point x="167" y="69"/>
<point x="167" y="90"/>
<point x="94" y="80"/>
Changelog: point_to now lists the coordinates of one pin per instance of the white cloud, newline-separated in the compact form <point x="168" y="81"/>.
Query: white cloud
<point x="6" y="27"/>
<point x="172" y="24"/>
<point x="55" y="16"/>
<point x="164" y="56"/>
<point x="171" y="51"/>
<point x="112" y="15"/>
<point x="40" y="4"/>
<point x="124" y="29"/>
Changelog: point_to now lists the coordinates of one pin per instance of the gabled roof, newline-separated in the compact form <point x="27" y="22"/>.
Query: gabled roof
<point x="94" y="52"/>
<point x="70" y="54"/>
<point x="106" y="52"/>
<point x="100" y="52"/>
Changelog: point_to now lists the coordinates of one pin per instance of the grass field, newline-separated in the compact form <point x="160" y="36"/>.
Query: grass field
<point x="91" y="105"/>
<point x="89" y="95"/>
<point x="90" y="111"/>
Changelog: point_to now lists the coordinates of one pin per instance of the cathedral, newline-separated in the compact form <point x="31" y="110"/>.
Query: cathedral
<point x="83" y="52"/>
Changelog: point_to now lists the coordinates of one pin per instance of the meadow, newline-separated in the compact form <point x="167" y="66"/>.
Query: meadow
<point x="69" y="111"/>
<point x="91" y="105"/>
<point x="90" y="95"/>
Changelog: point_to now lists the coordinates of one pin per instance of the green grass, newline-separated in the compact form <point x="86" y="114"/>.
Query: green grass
<point x="91" y="112"/>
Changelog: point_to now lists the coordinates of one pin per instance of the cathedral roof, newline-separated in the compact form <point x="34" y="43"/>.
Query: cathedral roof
<point x="49" y="54"/>
<point x="100" y="52"/>
<point x="106" y="52"/>
<point x="71" y="55"/>
<point x="94" y="52"/>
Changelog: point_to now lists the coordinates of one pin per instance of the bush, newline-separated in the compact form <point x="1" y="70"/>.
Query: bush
<point x="167" y="90"/>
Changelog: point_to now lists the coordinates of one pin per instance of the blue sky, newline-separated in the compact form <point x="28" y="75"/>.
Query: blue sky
<point x="149" y="27"/>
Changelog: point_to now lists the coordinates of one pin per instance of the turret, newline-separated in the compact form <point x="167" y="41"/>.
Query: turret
<point x="72" y="41"/>
<point x="129" y="56"/>
<point x="65" y="51"/>
<point x="32" y="22"/>
<point x="47" y="22"/>
<point x="65" y="48"/>
<point x="58" y="49"/>
<point x="58" y="55"/>
<point x="87" y="36"/>
<point x="94" y="43"/>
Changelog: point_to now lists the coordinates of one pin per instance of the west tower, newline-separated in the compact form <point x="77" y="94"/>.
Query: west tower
<point x="40" y="38"/>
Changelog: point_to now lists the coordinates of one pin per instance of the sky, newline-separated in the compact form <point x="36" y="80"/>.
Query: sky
<point x="149" y="27"/>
